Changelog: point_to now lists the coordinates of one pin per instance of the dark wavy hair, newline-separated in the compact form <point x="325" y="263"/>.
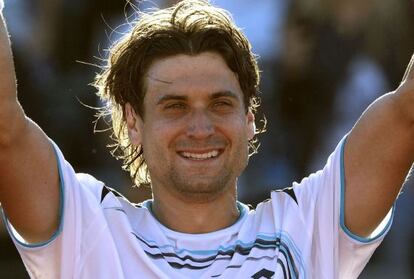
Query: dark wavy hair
<point x="190" y="27"/>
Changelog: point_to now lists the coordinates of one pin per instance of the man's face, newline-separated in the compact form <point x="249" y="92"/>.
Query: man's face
<point x="195" y="130"/>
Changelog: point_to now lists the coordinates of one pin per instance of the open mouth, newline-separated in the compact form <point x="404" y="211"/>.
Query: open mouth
<point x="200" y="156"/>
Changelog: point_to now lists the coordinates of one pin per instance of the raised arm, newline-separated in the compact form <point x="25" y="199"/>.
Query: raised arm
<point x="378" y="156"/>
<point x="29" y="192"/>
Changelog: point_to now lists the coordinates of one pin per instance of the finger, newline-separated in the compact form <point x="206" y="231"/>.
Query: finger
<point x="409" y="72"/>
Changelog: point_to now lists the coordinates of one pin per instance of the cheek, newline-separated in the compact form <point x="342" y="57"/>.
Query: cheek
<point x="238" y="133"/>
<point x="242" y="127"/>
<point x="158" y="137"/>
<point x="155" y="151"/>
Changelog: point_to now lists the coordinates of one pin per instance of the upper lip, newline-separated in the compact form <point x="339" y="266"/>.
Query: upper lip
<point x="199" y="151"/>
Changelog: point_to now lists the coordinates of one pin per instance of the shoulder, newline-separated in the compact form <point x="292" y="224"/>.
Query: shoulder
<point x="99" y="192"/>
<point x="90" y="184"/>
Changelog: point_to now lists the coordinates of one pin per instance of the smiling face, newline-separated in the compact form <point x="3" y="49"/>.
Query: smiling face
<point x="195" y="129"/>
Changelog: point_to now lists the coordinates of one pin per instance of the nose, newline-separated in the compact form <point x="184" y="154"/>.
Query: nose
<point x="200" y="125"/>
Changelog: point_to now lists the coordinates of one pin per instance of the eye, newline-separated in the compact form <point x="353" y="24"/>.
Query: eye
<point x="175" y="106"/>
<point x="222" y="105"/>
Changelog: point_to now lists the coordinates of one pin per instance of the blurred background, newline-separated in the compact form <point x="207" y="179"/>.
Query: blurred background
<point x="322" y="61"/>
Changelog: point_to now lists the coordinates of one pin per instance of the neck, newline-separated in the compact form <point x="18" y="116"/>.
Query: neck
<point x="196" y="215"/>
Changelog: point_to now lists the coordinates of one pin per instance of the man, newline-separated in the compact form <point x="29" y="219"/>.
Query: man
<point x="181" y="89"/>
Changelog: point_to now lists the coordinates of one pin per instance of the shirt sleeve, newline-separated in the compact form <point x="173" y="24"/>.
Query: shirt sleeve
<point x="80" y="223"/>
<point x="320" y="199"/>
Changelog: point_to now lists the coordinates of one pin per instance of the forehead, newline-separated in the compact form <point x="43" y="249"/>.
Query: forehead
<point x="191" y="75"/>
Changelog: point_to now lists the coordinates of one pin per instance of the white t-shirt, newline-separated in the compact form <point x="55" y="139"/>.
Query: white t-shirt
<point x="298" y="233"/>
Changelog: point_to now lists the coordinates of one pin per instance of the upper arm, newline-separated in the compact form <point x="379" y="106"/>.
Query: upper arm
<point x="29" y="187"/>
<point x="29" y="191"/>
<point x="378" y="156"/>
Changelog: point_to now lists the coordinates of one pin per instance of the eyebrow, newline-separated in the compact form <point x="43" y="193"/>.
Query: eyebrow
<point x="170" y="97"/>
<point x="213" y="96"/>
<point x="224" y="94"/>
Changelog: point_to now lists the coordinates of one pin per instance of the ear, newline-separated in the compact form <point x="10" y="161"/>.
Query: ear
<point x="134" y="124"/>
<point x="251" y="126"/>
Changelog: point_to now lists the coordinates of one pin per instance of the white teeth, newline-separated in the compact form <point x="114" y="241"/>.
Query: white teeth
<point x="198" y="156"/>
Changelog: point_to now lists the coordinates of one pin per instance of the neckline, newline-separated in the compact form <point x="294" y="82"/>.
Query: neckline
<point x="243" y="209"/>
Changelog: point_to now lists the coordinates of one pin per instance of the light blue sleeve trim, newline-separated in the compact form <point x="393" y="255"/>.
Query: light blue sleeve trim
<point x="60" y="214"/>
<point x="342" y="205"/>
